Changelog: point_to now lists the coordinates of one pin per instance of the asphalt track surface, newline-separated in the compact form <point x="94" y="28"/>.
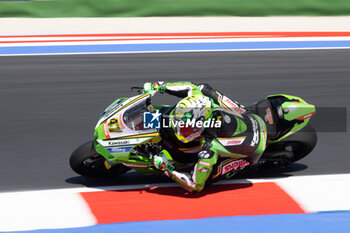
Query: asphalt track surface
<point x="50" y="104"/>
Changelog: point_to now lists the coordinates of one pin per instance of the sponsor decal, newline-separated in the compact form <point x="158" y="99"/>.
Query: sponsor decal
<point x="201" y="169"/>
<point x="120" y="142"/>
<point x="204" y="154"/>
<point x="255" y="139"/>
<point x="119" y="149"/>
<point x="306" y="116"/>
<point x="232" y="141"/>
<point x="204" y="163"/>
<point x="107" y="165"/>
<point x="232" y="105"/>
<point x="114" y="126"/>
<point x="121" y="121"/>
<point x="112" y="108"/>
<point x="229" y="103"/>
<point x="264" y="138"/>
<point x="234" y="165"/>
<point x="105" y="130"/>
<point x="268" y="116"/>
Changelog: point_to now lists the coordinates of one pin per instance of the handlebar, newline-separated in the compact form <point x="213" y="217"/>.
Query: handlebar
<point x="139" y="89"/>
<point x="149" y="150"/>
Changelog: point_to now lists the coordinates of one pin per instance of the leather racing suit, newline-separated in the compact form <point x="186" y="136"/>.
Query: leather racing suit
<point x="242" y="135"/>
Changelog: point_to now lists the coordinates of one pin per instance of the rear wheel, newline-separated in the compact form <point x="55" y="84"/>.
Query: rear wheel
<point x="87" y="162"/>
<point x="290" y="149"/>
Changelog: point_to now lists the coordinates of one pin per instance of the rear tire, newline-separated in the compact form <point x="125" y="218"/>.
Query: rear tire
<point x="300" y="144"/>
<point x="87" y="162"/>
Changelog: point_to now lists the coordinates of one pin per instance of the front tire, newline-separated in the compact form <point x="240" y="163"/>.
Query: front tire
<point x="87" y="162"/>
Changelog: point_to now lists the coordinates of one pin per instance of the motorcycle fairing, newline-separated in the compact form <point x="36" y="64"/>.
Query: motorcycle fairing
<point x="120" y="128"/>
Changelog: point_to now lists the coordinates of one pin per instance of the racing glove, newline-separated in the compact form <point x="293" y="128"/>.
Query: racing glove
<point x="157" y="86"/>
<point x="161" y="162"/>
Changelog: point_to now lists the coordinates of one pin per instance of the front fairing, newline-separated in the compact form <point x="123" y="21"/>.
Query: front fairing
<point x="120" y="128"/>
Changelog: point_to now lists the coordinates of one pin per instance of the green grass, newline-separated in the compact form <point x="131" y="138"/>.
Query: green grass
<point x="144" y="8"/>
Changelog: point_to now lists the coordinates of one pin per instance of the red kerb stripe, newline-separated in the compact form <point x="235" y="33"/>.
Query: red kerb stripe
<point x="119" y="39"/>
<point x="176" y="203"/>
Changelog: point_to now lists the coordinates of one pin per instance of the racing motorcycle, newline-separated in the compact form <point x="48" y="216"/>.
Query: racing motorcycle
<point x="122" y="142"/>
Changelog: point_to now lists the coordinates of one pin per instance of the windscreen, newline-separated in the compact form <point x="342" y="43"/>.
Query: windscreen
<point x="133" y="117"/>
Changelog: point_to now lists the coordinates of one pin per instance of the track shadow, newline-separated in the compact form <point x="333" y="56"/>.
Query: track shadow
<point x="271" y="172"/>
<point x="180" y="192"/>
<point x="136" y="178"/>
<point x="129" y="178"/>
<point x="169" y="191"/>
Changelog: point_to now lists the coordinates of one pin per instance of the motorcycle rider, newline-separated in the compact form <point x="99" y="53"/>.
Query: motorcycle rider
<point x="239" y="131"/>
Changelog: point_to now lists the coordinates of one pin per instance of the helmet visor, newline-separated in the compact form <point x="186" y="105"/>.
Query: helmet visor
<point x="186" y="131"/>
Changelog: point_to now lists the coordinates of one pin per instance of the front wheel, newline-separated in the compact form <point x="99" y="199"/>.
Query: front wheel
<point x="87" y="162"/>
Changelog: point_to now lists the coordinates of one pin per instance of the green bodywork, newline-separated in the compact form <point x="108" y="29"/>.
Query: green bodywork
<point x="137" y="162"/>
<point x="263" y="135"/>
<point x="292" y="110"/>
<point x="241" y="127"/>
<point x="223" y="152"/>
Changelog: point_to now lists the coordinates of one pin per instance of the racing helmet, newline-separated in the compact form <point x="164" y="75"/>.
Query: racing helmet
<point x="187" y="113"/>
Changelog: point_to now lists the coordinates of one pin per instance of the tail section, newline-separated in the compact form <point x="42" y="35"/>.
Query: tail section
<point x="283" y="115"/>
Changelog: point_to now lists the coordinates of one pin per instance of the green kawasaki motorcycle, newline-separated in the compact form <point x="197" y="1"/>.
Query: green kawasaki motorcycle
<point x="123" y="142"/>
